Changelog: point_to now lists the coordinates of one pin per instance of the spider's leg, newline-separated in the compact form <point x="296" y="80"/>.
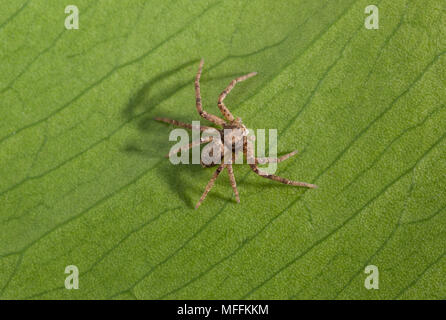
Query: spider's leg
<point x="181" y="124"/>
<point x="224" y="110"/>
<point x="189" y="146"/>
<point x="233" y="183"/>
<point x="255" y="168"/>
<point x="210" y="184"/>
<point x="275" y="160"/>
<point x="249" y="154"/>
<point x="200" y="110"/>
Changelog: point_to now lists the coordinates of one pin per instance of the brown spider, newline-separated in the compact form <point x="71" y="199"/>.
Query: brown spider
<point x="242" y="134"/>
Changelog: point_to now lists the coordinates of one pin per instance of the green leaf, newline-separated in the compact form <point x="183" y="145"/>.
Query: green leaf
<point x="84" y="181"/>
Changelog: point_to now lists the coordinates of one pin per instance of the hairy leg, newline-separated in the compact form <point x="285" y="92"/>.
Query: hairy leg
<point x="181" y="124"/>
<point x="210" y="185"/>
<point x="255" y="168"/>
<point x="275" y="160"/>
<point x="189" y="146"/>
<point x="224" y="110"/>
<point x="200" y="110"/>
<point x="233" y="183"/>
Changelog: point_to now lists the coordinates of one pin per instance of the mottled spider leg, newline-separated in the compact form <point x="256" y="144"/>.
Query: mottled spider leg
<point x="181" y="124"/>
<point x="200" y="110"/>
<point x="275" y="160"/>
<point x="233" y="183"/>
<point x="249" y="154"/>
<point x="189" y="146"/>
<point x="255" y="168"/>
<point x="224" y="110"/>
<point x="210" y="184"/>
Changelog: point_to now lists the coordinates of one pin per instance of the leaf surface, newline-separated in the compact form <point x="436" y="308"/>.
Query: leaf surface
<point x="84" y="181"/>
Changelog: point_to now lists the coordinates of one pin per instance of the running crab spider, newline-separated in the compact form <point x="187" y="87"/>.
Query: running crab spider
<point x="229" y="123"/>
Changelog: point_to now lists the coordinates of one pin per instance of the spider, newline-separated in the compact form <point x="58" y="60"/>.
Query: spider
<point x="229" y="123"/>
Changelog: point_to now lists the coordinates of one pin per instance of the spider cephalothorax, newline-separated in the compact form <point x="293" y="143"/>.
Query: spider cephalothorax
<point x="229" y="146"/>
<point x="233" y="135"/>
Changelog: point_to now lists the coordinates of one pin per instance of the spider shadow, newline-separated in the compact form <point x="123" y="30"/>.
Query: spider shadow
<point x="152" y="144"/>
<point x="180" y="179"/>
<point x="142" y="104"/>
<point x="144" y="100"/>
